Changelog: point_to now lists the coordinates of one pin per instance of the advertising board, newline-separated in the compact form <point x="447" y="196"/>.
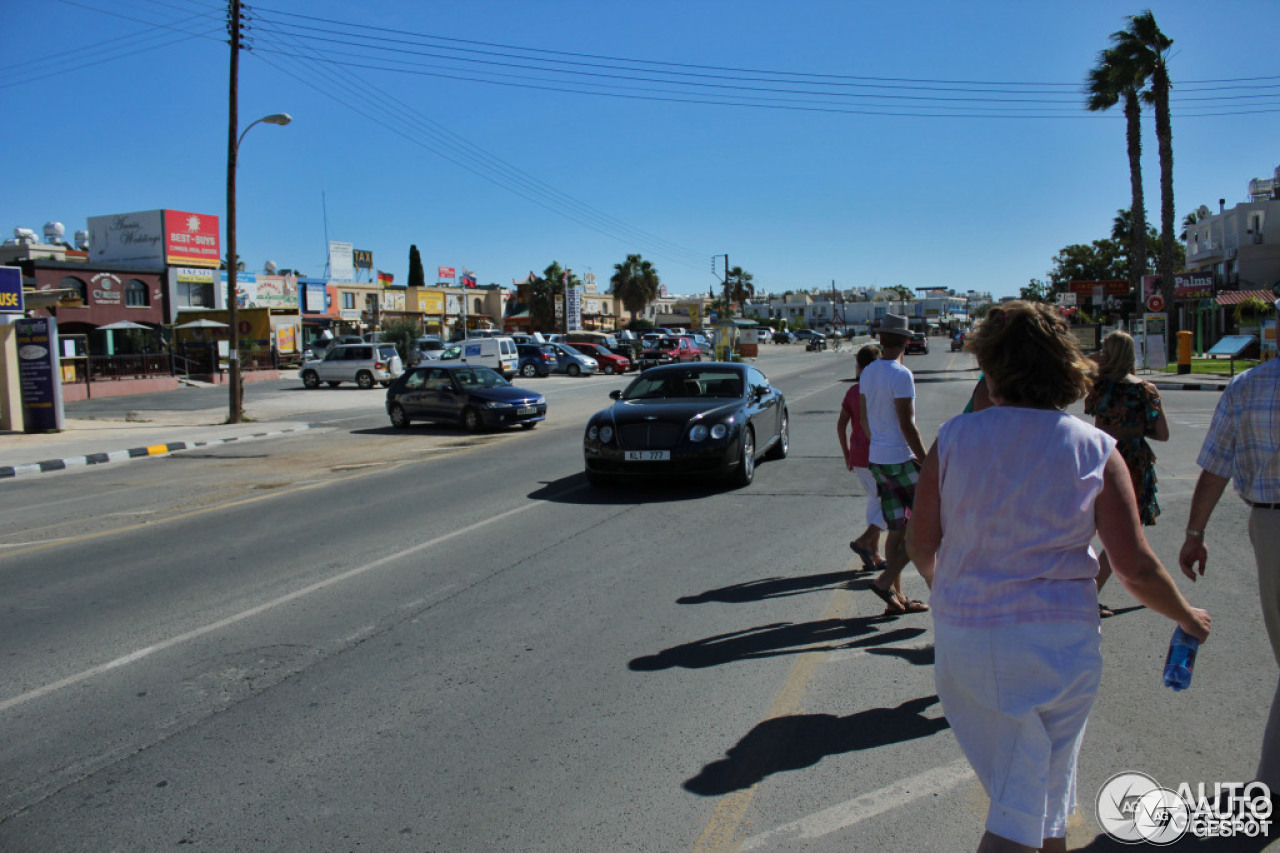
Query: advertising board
<point x="152" y="239"/>
<point x="11" y="290"/>
<point x="38" y="374"/>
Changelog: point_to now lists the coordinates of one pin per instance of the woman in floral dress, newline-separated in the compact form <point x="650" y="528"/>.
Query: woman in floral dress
<point x="1129" y="410"/>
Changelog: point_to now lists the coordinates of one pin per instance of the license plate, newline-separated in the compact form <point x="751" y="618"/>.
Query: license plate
<point x="526" y="410"/>
<point x="648" y="455"/>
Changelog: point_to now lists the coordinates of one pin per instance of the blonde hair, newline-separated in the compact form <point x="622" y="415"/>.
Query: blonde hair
<point x="1117" y="356"/>
<point x="1029" y="353"/>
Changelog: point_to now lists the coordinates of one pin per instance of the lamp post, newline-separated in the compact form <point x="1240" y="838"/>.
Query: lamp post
<point x="233" y="356"/>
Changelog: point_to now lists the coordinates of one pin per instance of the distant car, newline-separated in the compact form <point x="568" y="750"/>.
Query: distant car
<point x="610" y="362"/>
<point x="363" y="364"/>
<point x="426" y="348"/>
<point x="669" y="350"/>
<point x="699" y="420"/>
<point x="816" y="342"/>
<point x="473" y="397"/>
<point x="570" y="361"/>
<point x="957" y="341"/>
<point x="534" y="360"/>
<point x="918" y="343"/>
<point x="764" y="334"/>
<point x="702" y="343"/>
<point x="782" y="336"/>
<point x="806" y="334"/>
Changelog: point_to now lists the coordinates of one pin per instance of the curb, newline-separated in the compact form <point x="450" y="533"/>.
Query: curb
<point x="1176" y="386"/>
<point x="12" y="471"/>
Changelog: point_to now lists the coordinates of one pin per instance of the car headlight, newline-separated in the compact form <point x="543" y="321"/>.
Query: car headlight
<point x="698" y="433"/>
<point x="606" y="434"/>
<point x="719" y="431"/>
<point x="495" y="404"/>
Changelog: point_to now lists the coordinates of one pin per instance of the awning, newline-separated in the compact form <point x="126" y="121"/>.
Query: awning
<point x="1235" y="297"/>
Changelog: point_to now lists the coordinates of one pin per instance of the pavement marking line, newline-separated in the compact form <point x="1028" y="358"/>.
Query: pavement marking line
<point x="853" y="812"/>
<point x="720" y="832"/>
<point x="266" y="606"/>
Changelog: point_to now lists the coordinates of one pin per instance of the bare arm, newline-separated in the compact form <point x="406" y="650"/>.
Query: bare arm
<point x="1132" y="560"/>
<point x="924" y="530"/>
<point x="1161" y="430"/>
<point x="842" y="432"/>
<point x="1194" y="554"/>
<point x="906" y="408"/>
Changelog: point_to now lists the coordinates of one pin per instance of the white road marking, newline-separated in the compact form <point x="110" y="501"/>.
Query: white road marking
<point x="852" y="812"/>
<point x="196" y="633"/>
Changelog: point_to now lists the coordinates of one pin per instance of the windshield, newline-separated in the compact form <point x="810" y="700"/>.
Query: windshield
<point x="480" y="377"/>
<point x="684" y="384"/>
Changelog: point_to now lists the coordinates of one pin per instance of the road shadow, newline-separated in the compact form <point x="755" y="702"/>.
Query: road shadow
<point x="915" y="657"/>
<point x="775" y="587"/>
<point x="773" y="640"/>
<point x="802" y="740"/>
<point x="575" y="490"/>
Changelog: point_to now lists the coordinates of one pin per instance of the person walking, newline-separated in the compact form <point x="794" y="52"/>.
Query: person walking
<point x="887" y="409"/>
<point x="1243" y="446"/>
<point x="855" y="449"/>
<point x="1008" y="502"/>
<point x="1129" y="410"/>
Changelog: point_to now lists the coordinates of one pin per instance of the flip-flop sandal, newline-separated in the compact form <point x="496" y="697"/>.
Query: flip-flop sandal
<point x="894" y="606"/>
<point x="915" y="605"/>
<point x="868" y="561"/>
<point x="1105" y="612"/>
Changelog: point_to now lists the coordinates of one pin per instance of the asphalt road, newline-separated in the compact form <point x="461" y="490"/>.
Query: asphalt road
<point x="358" y="638"/>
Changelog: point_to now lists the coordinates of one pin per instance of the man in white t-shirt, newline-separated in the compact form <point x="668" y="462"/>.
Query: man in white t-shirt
<point x="888" y="414"/>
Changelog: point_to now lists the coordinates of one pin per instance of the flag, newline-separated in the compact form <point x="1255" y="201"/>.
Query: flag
<point x="468" y="278"/>
<point x="385" y="278"/>
<point x="444" y="272"/>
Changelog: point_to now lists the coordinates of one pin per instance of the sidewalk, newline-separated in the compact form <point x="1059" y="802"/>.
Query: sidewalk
<point x="97" y="432"/>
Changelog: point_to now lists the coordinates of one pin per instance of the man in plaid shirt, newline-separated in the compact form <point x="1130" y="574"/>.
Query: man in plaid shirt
<point x="1243" y="444"/>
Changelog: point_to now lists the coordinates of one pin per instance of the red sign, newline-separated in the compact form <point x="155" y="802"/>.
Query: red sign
<point x="1155" y="303"/>
<point x="444" y="272"/>
<point x="191" y="239"/>
<point x="1113" y="288"/>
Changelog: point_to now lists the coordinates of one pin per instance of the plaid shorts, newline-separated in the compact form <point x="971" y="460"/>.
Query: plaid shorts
<point x="896" y="486"/>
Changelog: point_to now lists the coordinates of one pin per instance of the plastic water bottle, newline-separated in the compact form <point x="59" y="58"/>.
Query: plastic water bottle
<point x="1181" y="660"/>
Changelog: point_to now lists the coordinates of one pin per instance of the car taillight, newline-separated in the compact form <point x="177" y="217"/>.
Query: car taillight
<point x="378" y="365"/>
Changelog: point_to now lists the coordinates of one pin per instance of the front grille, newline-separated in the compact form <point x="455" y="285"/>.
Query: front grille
<point x="649" y="435"/>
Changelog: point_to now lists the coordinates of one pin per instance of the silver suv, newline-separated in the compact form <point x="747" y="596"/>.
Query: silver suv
<point x="363" y="364"/>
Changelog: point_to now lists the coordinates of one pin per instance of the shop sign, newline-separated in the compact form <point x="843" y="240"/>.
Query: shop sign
<point x="431" y="302"/>
<point x="10" y="290"/>
<point x="38" y="376"/>
<point x="275" y="291"/>
<point x="190" y="238"/>
<point x="106" y="289"/>
<point x="128" y="238"/>
<point x="1109" y="288"/>
<point x="1193" y="286"/>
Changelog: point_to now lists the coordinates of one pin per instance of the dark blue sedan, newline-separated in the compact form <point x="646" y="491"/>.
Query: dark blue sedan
<point x="705" y="419"/>
<point x="475" y="397"/>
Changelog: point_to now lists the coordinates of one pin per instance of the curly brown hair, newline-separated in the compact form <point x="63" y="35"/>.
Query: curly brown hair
<point x="1031" y="357"/>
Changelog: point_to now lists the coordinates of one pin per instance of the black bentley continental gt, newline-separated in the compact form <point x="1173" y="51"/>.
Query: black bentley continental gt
<point x="709" y="419"/>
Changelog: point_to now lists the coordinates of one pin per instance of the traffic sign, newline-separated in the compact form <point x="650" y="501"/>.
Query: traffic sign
<point x="1155" y="303"/>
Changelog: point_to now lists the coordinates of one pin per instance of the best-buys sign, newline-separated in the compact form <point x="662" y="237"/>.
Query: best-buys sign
<point x="153" y="239"/>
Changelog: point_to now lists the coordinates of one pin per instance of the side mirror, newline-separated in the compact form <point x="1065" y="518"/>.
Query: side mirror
<point x="615" y="394"/>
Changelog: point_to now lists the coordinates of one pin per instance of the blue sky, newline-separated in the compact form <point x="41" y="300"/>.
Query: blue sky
<point x="486" y="163"/>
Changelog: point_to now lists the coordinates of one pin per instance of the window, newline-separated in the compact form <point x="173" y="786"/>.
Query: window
<point x="479" y="309"/>
<point x="195" y="294"/>
<point x="136" y="294"/>
<point x="349" y="301"/>
<point x="73" y="283"/>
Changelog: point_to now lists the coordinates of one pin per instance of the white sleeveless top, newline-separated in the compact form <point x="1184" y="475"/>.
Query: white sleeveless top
<point x="1018" y="488"/>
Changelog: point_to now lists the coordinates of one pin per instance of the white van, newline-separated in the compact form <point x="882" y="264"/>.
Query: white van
<point x="498" y="353"/>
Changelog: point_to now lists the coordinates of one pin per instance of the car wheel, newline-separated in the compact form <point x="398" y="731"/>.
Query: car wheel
<point x="783" y="444"/>
<point x="529" y="425"/>
<point x="310" y="379"/>
<point x="333" y="384"/>
<point x="471" y="421"/>
<point x="746" y="470"/>
<point x="598" y="480"/>
<point x="528" y="370"/>
<point x="364" y="379"/>
<point x="609" y="369"/>
<point x="573" y="370"/>
<point x="399" y="419"/>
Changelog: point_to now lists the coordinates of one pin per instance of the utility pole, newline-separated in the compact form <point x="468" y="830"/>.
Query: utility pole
<point x="236" y="404"/>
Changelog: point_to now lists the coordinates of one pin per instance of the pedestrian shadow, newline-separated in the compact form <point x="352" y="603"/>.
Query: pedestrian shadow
<point x="802" y="740"/>
<point x="914" y="656"/>
<point x="773" y="640"/>
<point x="766" y="588"/>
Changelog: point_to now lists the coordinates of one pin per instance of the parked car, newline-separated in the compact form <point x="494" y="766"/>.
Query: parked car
<point x="534" y="360"/>
<point x="763" y="334"/>
<point x="497" y="353"/>
<point x="806" y="334"/>
<point x="701" y="420"/>
<point x="668" y="350"/>
<point x="570" y="361"/>
<point x="474" y="397"/>
<point x="426" y="348"/>
<point x="363" y="364"/>
<point x="610" y="362"/>
<point x="918" y="343"/>
<point x="702" y="342"/>
<point x="782" y="336"/>
<point x="318" y="347"/>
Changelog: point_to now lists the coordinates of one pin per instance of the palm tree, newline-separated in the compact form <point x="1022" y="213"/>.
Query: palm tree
<point x="740" y="287"/>
<point x="1113" y="79"/>
<point x="635" y="281"/>
<point x="1143" y="45"/>
<point x="1188" y="222"/>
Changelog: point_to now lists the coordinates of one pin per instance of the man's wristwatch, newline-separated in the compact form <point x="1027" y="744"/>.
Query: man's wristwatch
<point x="1198" y="534"/>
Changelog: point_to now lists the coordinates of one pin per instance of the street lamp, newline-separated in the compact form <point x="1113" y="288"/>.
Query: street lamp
<point x="233" y="355"/>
